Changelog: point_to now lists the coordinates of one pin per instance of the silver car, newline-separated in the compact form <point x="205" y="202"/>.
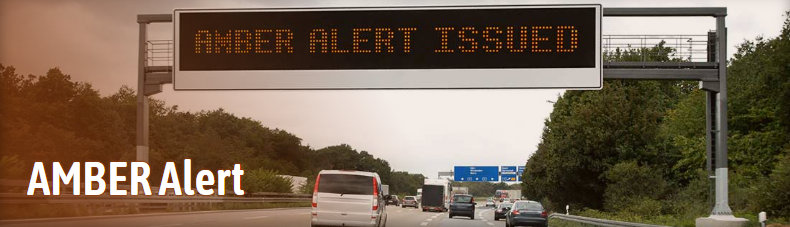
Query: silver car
<point x="348" y="198"/>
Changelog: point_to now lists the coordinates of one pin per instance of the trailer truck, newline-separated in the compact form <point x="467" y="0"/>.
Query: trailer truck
<point x="436" y="195"/>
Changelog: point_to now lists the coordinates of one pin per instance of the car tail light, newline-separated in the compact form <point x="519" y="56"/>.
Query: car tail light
<point x="515" y="212"/>
<point x="544" y="214"/>
<point x="315" y="190"/>
<point x="375" y="194"/>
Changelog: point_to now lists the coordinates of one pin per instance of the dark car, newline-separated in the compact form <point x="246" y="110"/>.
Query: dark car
<point x="526" y="213"/>
<point x="502" y="210"/>
<point x="409" y="201"/>
<point x="393" y="200"/>
<point x="463" y="205"/>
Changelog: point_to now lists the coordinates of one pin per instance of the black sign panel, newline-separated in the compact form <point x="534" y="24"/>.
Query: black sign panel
<point x="388" y="39"/>
<point x="389" y="48"/>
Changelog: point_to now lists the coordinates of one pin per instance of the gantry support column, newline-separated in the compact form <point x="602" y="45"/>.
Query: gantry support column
<point x="716" y="134"/>
<point x="142" y="99"/>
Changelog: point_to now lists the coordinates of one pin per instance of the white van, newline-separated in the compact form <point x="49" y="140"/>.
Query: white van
<point x="348" y="198"/>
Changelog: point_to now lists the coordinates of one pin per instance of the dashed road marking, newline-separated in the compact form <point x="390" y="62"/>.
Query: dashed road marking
<point x="424" y="223"/>
<point x="256" y="217"/>
<point x="489" y="223"/>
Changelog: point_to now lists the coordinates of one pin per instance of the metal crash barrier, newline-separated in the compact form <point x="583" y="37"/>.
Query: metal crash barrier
<point x="599" y="222"/>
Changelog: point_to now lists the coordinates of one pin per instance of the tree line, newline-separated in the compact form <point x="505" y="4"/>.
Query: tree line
<point x="51" y="118"/>
<point x="638" y="147"/>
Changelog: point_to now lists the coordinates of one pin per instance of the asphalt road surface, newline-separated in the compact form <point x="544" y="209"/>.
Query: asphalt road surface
<point x="299" y="217"/>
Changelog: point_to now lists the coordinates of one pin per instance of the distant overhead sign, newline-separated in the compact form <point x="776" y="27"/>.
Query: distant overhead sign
<point x="476" y="173"/>
<point x="509" y="174"/>
<point x="520" y="172"/>
<point x="546" y="46"/>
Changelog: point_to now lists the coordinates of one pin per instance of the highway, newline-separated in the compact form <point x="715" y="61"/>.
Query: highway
<point x="299" y="217"/>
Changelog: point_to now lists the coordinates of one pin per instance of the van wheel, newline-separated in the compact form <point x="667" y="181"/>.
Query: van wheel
<point x="451" y="216"/>
<point x="472" y="217"/>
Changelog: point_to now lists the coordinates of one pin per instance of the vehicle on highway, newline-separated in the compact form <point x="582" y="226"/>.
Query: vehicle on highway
<point x="435" y="195"/>
<point x="490" y="203"/>
<point x="500" y="194"/>
<point x="410" y="201"/>
<point x="526" y="213"/>
<point x="514" y="194"/>
<point x="463" y="205"/>
<point x="385" y="189"/>
<point x="393" y="200"/>
<point x="348" y="198"/>
<point x="502" y="210"/>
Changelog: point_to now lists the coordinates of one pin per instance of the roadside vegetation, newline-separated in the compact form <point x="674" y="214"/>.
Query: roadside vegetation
<point x="486" y="189"/>
<point x="635" y="150"/>
<point x="50" y="118"/>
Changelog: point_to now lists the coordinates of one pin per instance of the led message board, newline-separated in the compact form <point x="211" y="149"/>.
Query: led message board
<point x="555" y="46"/>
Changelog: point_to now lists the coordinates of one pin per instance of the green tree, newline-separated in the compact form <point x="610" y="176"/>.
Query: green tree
<point x="629" y="185"/>
<point x="588" y="132"/>
<point x="262" y="180"/>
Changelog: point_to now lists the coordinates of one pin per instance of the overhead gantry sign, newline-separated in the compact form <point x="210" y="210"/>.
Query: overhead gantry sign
<point x="389" y="48"/>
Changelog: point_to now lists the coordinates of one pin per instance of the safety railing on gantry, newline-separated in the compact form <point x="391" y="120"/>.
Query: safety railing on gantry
<point x="639" y="48"/>
<point x="644" y="48"/>
<point x="159" y="53"/>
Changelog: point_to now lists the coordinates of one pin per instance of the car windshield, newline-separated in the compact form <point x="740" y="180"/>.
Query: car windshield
<point x="345" y="184"/>
<point x="528" y="206"/>
<point x="462" y="199"/>
<point x="408" y="198"/>
<point x="504" y="205"/>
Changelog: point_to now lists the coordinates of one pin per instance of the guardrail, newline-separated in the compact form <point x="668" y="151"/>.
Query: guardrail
<point x="599" y="222"/>
<point x="142" y="203"/>
<point x="16" y="198"/>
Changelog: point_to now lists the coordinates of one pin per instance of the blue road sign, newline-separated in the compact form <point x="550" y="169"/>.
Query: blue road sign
<point x="520" y="172"/>
<point x="509" y="174"/>
<point x="476" y="173"/>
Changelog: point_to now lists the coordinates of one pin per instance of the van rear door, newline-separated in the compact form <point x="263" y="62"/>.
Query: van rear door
<point x="345" y="198"/>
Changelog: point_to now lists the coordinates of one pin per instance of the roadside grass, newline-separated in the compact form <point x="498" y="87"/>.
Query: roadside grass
<point x="33" y="211"/>
<point x="667" y="220"/>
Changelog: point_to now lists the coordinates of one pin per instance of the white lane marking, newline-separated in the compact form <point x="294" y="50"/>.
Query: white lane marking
<point x="165" y="225"/>
<point x="429" y="219"/>
<point x="424" y="223"/>
<point x="306" y="213"/>
<point x="399" y="211"/>
<point x="256" y="217"/>
<point x="489" y="223"/>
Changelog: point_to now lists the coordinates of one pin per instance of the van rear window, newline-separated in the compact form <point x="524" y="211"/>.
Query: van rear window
<point x="345" y="184"/>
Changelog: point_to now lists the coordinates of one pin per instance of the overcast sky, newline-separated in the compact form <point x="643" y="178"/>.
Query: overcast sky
<point x="417" y="131"/>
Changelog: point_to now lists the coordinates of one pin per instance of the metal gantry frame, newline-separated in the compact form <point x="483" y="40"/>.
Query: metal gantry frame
<point x="712" y="76"/>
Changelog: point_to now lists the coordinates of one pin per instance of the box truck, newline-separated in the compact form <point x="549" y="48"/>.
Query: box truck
<point x="436" y="195"/>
